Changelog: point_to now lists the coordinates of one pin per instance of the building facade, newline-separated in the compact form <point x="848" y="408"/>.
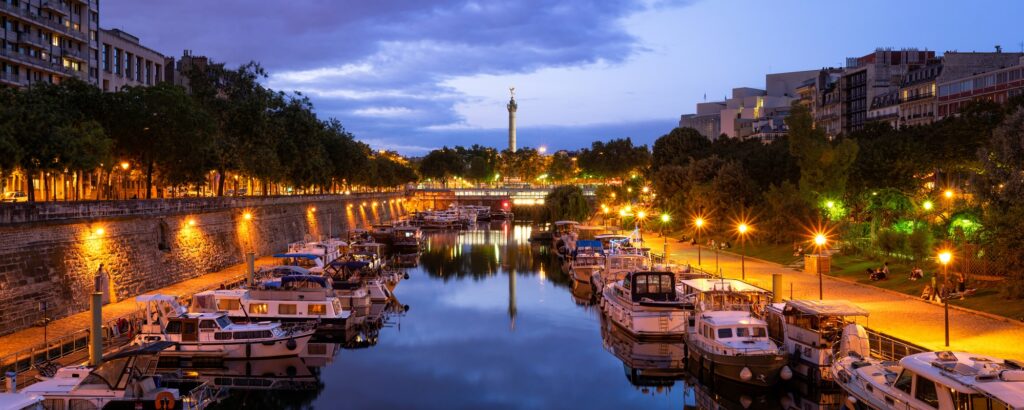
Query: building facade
<point x="885" y="108"/>
<point x="707" y="121"/>
<point x="997" y="86"/>
<point x="872" y="75"/>
<point x="917" y="93"/>
<point x="48" y="41"/>
<point x="821" y="96"/>
<point x="126" y="62"/>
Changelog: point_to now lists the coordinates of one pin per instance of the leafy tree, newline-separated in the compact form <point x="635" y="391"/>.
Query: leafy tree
<point x="567" y="202"/>
<point x="616" y="158"/>
<point x="824" y="165"/>
<point x="786" y="213"/>
<point x="561" y="167"/>
<point x="679" y="147"/>
<point x="525" y="164"/>
<point x="481" y="162"/>
<point x="1001" y="186"/>
<point x="442" y="164"/>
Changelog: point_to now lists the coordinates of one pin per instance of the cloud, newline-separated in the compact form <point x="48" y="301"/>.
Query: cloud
<point x="382" y="67"/>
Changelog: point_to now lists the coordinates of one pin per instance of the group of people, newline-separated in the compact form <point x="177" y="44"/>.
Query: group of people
<point x="880" y="273"/>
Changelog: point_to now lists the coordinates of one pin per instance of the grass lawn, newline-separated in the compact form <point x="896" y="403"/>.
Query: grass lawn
<point x="853" y="267"/>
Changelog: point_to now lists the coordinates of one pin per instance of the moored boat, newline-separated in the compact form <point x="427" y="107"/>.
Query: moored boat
<point x="734" y="344"/>
<point x="809" y="330"/>
<point x="646" y="304"/>
<point x="292" y="298"/>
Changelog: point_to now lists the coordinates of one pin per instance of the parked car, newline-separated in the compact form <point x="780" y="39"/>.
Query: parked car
<point x="14" y="196"/>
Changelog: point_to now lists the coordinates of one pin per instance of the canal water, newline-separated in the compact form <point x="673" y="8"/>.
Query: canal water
<point x="487" y="320"/>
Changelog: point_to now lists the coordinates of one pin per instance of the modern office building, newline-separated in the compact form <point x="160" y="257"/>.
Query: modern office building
<point x="48" y="41"/>
<point x="124" y="61"/>
<point x="707" y="121"/>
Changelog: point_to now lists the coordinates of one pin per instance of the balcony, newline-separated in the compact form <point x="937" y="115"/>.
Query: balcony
<point x="11" y="79"/>
<point x="917" y="97"/>
<point x="73" y="54"/>
<point x="35" y="41"/>
<point x="54" y="7"/>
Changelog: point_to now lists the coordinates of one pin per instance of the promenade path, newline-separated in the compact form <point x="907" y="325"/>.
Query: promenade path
<point x="899" y="315"/>
<point x="31" y="337"/>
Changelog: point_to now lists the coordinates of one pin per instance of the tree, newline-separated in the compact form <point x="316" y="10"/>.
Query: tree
<point x="824" y="165"/>
<point x="786" y="213"/>
<point x="1001" y="187"/>
<point x="616" y="158"/>
<point x="525" y="164"/>
<point x="442" y="164"/>
<point x="481" y="162"/>
<point x="679" y="147"/>
<point x="567" y="202"/>
<point x="561" y="167"/>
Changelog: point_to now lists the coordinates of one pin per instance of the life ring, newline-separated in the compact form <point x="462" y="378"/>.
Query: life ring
<point x="291" y="344"/>
<point x="164" y="401"/>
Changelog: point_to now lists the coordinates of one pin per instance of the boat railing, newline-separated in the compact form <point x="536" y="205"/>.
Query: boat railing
<point x="890" y="348"/>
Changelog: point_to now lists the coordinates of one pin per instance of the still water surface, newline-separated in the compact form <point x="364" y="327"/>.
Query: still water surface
<point x="486" y="320"/>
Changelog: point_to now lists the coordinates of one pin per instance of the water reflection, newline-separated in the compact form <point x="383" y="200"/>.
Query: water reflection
<point x="495" y="323"/>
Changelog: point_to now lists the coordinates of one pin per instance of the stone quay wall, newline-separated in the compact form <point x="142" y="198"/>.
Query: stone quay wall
<point x="50" y="252"/>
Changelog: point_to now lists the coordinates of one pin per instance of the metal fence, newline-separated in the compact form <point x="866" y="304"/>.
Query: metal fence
<point x="886" y="347"/>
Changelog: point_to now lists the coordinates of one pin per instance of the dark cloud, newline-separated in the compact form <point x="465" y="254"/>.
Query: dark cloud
<point x="378" y="65"/>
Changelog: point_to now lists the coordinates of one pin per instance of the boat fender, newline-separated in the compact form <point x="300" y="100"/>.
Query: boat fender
<point x="406" y="276"/>
<point x="291" y="344"/>
<point x="746" y="374"/>
<point x="405" y="308"/>
<point x="786" y="373"/>
<point x="745" y="401"/>
<point x="852" y="400"/>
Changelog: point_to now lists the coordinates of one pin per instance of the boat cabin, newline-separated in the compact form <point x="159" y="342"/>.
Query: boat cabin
<point x="958" y="380"/>
<point x="732" y="333"/>
<point x="725" y="294"/>
<point x="310" y="261"/>
<point x="565" y="227"/>
<point x="813" y="324"/>
<point x="653" y="286"/>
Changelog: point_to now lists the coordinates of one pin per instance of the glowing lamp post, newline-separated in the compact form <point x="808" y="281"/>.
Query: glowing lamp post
<point x="640" y="215"/>
<point x="665" y="218"/>
<point x="944" y="258"/>
<point x="742" y="230"/>
<point x="820" y="240"/>
<point x="698" y="225"/>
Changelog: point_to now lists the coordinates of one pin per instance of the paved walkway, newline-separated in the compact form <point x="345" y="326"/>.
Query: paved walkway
<point x="896" y="314"/>
<point x="32" y="337"/>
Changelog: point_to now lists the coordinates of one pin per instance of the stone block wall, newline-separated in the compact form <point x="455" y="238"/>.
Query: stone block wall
<point x="56" y="260"/>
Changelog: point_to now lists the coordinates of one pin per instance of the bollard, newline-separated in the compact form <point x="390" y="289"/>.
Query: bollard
<point x="96" y="331"/>
<point x="250" y="267"/>
<point x="12" y="382"/>
<point x="776" y="287"/>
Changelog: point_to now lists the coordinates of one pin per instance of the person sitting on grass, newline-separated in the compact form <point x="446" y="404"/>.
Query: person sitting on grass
<point x="916" y="273"/>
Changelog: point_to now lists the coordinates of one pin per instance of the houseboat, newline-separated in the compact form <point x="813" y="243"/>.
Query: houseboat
<point x="564" y="234"/>
<point x="215" y="334"/>
<point x="647" y="304"/>
<point x="292" y="298"/>
<point x="121" y="380"/>
<point x="617" y="263"/>
<point x="407" y="237"/>
<point x="929" y="380"/>
<point x="310" y="261"/>
<point x="734" y="344"/>
<point x="809" y="330"/>
<point x="587" y="259"/>
<point x="382" y="232"/>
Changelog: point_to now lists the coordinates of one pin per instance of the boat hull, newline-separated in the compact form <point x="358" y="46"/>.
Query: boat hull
<point x="648" y="322"/>
<point x="235" y="350"/>
<point x="764" y="369"/>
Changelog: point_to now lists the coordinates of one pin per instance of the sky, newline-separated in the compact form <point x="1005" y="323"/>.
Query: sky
<point x="415" y="75"/>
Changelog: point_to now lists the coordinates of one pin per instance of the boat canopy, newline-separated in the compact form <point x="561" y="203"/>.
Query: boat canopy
<point x="721" y="285"/>
<point x="144" y="350"/>
<point x="823" y="308"/>
<point x="566" y="223"/>
<point x="297" y="255"/>
<point x="584" y="243"/>
<point x="303" y="279"/>
<point x="284" y="270"/>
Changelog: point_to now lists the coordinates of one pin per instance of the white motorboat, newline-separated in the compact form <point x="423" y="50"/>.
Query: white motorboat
<point x="617" y="263"/>
<point x="214" y="333"/>
<point x="122" y="380"/>
<point x="292" y="298"/>
<point x="349" y="290"/>
<point x="326" y="251"/>
<point x="925" y="381"/>
<point x="21" y="401"/>
<point x="647" y="304"/>
<point x="735" y="345"/>
<point x="809" y="330"/>
<point x="407" y="237"/>
<point x="587" y="259"/>
<point x="382" y="232"/>
<point x="311" y="261"/>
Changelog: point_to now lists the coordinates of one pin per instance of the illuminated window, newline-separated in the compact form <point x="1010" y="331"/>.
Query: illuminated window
<point x="56" y="40"/>
<point x="317" y="309"/>
<point x="228" y="304"/>
<point x="287" y="309"/>
<point x="258" y="308"/>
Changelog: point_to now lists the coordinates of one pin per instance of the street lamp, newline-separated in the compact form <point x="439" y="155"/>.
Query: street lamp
<point x="944" y="258"/>
<point x="698" y="224"/>
<point x="665" y="218"/>
<point x="819" y="242"/>
<point x="742" y="229"/>
<point x="124" y="179"/>
<point x="640" y="215"/>
<point x="927" y="205"/>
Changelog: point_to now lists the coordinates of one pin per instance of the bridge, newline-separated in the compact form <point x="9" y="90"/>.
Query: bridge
<point x="493" y="197"/>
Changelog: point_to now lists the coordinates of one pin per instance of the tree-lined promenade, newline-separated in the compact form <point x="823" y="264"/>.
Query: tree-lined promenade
<point x="226" y="133"/>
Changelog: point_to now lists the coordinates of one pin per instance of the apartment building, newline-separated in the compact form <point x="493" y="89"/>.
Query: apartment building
<point x="124" y="61"/>
<point x="821" y="96"/>
<point x="48" y="41"/>
<point x="872" y="75"/>
<point x="997" y="86"/>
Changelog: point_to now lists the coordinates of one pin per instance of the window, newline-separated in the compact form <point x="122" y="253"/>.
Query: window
<point x="904" y="381"/>
<point x="188" y="327"/>
<point x="222" y="336"/>
<point x="258" y="308"/>
<point x="228" y="304"/>
<point x="223" y="321"/>
<point x="207" y="324"/>
<point x="724" y="333"/>
<point x="317" y="309"/>
<point x="742" y="332"/>
<point x="925" y="392"/>
<point x="174" y="326"/>
<point x="760" y="332"/>
<point x="287" y="309"/>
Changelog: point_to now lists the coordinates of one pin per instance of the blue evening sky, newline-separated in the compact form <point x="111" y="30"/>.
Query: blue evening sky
<point x="413" y="75"/>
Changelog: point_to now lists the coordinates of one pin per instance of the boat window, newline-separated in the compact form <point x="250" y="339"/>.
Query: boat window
<point x="760" y="332"/>
<point x="53" y="404"/>
<point x="742" y="332"/>
<point x="223" y="321"/>
<point x="81" y="404"/>
<point x="228" y="304"/>
<point x="207" y="324"/>
<point x="317" y="309"/>
<point x="287" y="309"/>
<point x="904" y="381"/>
<point x="258" y="308"/>
<point x="107" y="373"/>
<point x="174" y="326"/>
<point x="188" y="327"/>
<point x="925" y="391"/>
<point x="222" y="336"/>
<point x="724" y="333"/>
